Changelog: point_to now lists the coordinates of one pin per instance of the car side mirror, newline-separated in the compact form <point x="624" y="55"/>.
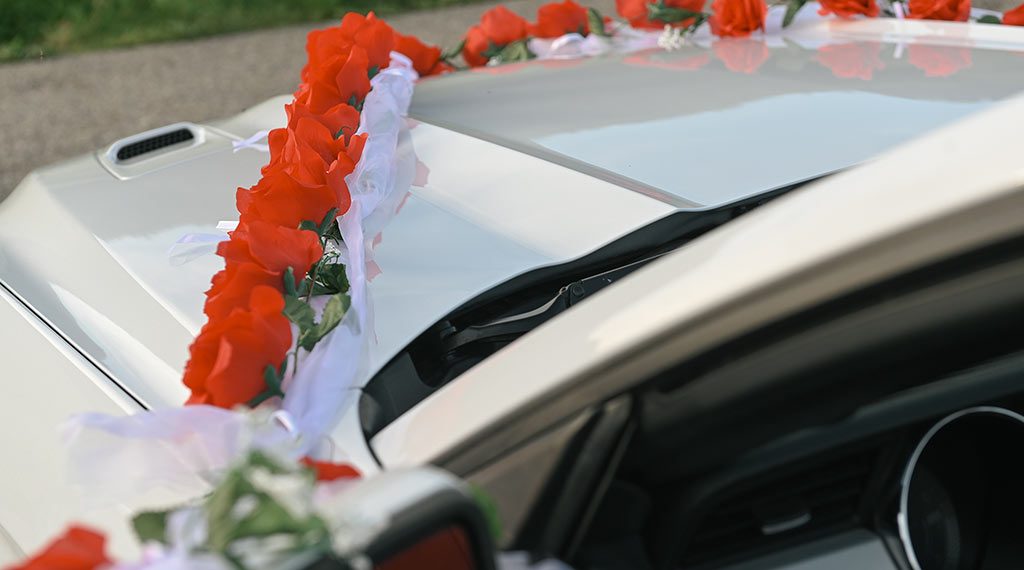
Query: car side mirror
<point x="429" y="520"/>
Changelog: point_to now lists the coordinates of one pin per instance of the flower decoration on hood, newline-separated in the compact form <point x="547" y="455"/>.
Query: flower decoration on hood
<point x="557" y="19"/>
<point x="655" y="14"/>
<point x="849" y="8"/>
<point x="1014" y="17"/>
<point x="79" y="548"/>
<point x="498" y="28"/>
<point x="737" y="18"/>
<point x="952" y="10"/>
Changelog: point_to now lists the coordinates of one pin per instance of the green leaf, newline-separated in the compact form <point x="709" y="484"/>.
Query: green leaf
<point x="659" y="11"/>
<point x="454" y="52"/>
<point x="298" y="312"/>
<point x="792" y="7"/>
<point x="309" y="226"/>
<point x="989" y="19"/>
<point x="489" y="509"/>
<point x="515" y="51"/>
<point x="373" y="71"/>
<point x="272" y="378"/>
<point x="331" y="279"/>
<point x="325" y="223"/>
<point x="330" y="318"/>
<point x="289" y="282"/>
<point x="596" y="22"/>
<point x="151" y="526"/>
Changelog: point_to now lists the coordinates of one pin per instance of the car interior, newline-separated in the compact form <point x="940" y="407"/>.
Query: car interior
<point x="882" y="429"/>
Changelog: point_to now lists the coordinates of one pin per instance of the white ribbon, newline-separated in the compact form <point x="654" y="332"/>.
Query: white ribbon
<point x="252" y="142"/>
<point x="316" y="394"/>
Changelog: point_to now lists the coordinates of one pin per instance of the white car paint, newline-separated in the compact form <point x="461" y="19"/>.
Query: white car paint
<point x="87" y="250"/>
<point x="951" y="191"/>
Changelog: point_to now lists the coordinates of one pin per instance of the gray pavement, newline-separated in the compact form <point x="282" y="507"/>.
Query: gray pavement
<point x="60" y="107"/>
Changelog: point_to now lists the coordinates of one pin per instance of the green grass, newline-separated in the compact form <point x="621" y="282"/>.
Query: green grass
<point x="32" y="28"/>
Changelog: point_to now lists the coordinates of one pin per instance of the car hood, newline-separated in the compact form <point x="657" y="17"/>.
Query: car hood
<point x="91" y="248"/>
<point x="514" y="168"/>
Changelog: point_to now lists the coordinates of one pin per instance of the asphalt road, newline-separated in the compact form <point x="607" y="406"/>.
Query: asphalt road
<point x="59" y="107"/>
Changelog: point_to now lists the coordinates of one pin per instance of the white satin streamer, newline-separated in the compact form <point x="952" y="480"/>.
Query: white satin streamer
<point x="314" y="396"/>
<point x="183" y="450"/>
<point x="150" y="458"/>
<point x="252" y="142"/>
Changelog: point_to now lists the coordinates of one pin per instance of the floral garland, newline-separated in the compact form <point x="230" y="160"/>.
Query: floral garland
<point x="292" y="265"/>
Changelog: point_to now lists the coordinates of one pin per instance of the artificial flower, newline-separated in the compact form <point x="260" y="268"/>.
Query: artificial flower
<point x="497" y="28"/>
<point x="560" y="18"/>
<point x="372" y="34"/>
<point x="426" y="59"/>
<point x="231" y="353"/>
<point x="848" y="8"/>
<point x="637" y="12"/>
<point x="79" y="548"/>
<point x="737" y="18"/>
<point x="952" y="10"/>
<point x="327" y="471"/>
<point x="740" y="54"/>
<point x="341" y="119"/>
<point x="1014" y="17"/>
<point x="855" y="60"/>
<point x="939" y="61"/>
<point x="280" y="199"/>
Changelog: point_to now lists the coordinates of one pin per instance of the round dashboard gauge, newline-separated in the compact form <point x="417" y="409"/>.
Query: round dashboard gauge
<point x="962" y="495"/>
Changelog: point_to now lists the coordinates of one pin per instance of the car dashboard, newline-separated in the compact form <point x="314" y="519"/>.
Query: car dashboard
<point x="926" y="479"/>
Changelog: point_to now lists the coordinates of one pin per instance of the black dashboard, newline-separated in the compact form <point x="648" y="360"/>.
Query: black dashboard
<point x="930" y="478"/>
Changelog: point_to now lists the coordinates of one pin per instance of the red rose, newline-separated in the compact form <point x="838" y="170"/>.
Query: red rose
<point x="741" y="55"/>
<point x="372" y="34"/>
<point x="327" y="471"/>
<point x="952" y="10"/>
<point x="635" y="12"/>
<point x="852" y="60"/>
<point x="278" y="198"/>
<point x="230" y="354"/>
<point x="341" y="118"/>
<point x="737" y="18"/>
<point x="1014" y="17"/>
<point x="79" y="548"/>
<point x="939" y="61"/>
<point x="259" y="253"/>
<point x="557" y="19"/>
<point x="426" y="59"/>
<point x="305" y="177"/>
<point x="498" y="27"/>
<point x="849" y="8"/>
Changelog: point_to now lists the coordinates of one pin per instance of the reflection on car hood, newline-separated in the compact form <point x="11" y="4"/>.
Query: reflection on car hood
<point x="708" y="124"/>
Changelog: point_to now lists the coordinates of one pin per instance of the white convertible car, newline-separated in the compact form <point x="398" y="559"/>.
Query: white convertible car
<point x="749" y="306"/>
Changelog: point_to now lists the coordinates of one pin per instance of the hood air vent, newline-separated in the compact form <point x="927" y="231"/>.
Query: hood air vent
<point x="813" y="500"/>
<point x="133" y="147"/>
<point x="155" y="143"/>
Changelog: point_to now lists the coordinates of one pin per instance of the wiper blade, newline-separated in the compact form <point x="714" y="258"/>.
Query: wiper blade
<point x="513" y="326"/>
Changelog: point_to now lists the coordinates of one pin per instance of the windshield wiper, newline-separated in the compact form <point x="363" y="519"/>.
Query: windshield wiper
<point x="513" y="326"/>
